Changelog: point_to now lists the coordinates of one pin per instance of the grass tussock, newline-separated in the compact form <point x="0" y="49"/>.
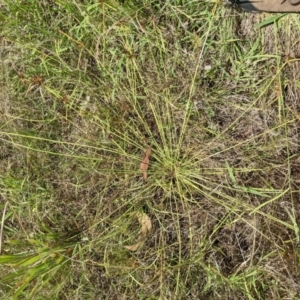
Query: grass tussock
<point x="86" y="88"/>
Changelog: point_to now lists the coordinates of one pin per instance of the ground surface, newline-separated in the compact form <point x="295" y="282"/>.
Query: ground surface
<point x="86" y="88"/>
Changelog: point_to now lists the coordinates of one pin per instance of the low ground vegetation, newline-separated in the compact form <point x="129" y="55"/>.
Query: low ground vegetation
<point x="148" y="150"/>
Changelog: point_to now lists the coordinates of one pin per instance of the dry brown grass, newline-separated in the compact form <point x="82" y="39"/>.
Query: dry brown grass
<point x="218" y="102"/>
